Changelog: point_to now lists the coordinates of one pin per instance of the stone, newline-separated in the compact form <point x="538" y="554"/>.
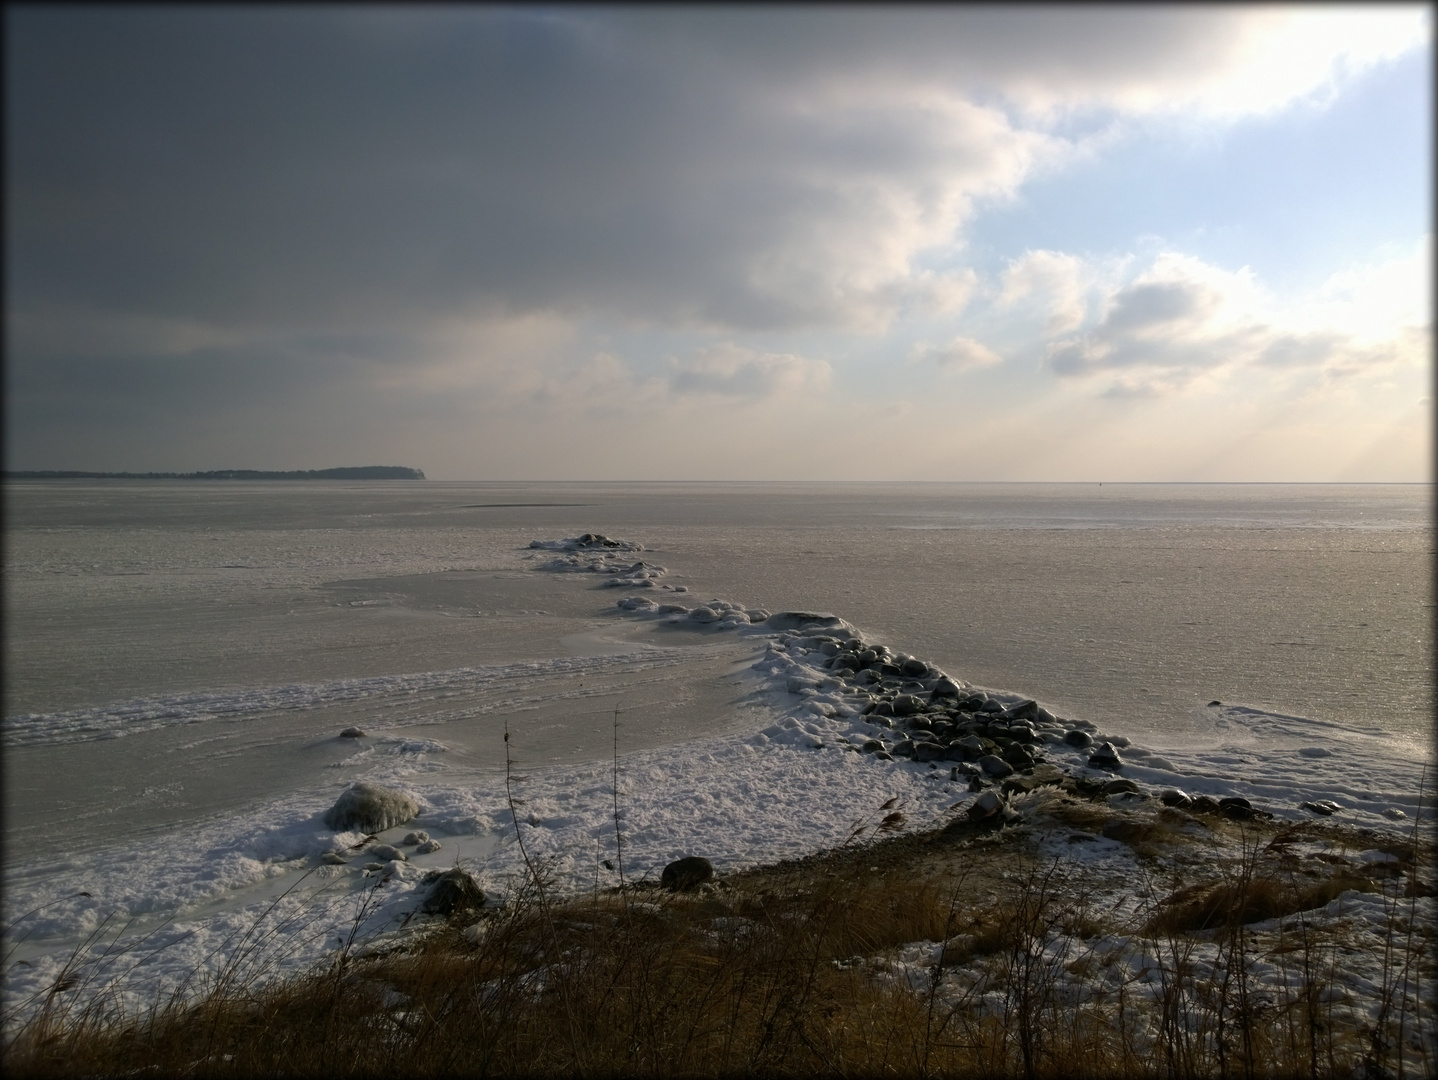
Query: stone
<point x="704" y="614"/>
<point x="1237" y="809"/>
<point x="1105" y="757"/>
<point x="872" y="746"/>
<point x="454" y="890"/>
<point x="986" y="805"/>
<point x="1017" y="756"/>
<point x="946" y="688"/>
<point x="684" y="874"/>
<point x="415" y="837"/>
<point x="370" y="808"/>
<point x="802" y="620"/>
<point x="388" y="853"/>
<point x="1322" y="807"/>
<point x="1176" y="797"/>
<point x="907" y="705"/>
<point x="995" y="767"/>
<point x="1117" y="787"/>
<point x="971" y="747"/>
<point x="904" y="748"/>
<point x="914" y="668"/>
<point x="352" y="733"/>
<point x="757" y="615"/>
<point x="1125" y="832"/>
<point x="427" y="846"/>
<point x="929" y="751"/>
<point x="1024" y="710"/>
<point x="333" y="858"/>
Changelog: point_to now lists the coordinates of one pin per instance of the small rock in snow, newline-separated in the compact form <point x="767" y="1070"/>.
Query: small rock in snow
<point x="454" y="890"/>
<point x="1105" y="757"/>
<point x="687" y="873"/>
<point x="352" y="733"/>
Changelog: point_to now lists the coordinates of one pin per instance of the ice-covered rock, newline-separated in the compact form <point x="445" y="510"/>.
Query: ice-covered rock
<point x="370" y="808"/>
<point x="388" y="853"/>
<point x="587" y="542"/>
<point x="426" y="846"/>
<point x="804" y="620"/>
<point x="417" y="837"/>
<point x="454" y="890"/>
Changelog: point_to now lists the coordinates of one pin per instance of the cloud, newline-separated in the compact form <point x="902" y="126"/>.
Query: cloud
<point x="463" y="208"/>
<point x="1182" y="320"/>
<point x="1052" y="279"/>
<point x="961" y="354"/>
<point x="733" y="372"/>
<point x="729" y="170"/>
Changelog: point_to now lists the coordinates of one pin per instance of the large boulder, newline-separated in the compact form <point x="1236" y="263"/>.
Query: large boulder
<point x="370" y="808"/>
<point x="454" y="890"/>
<point x="687" y="873"/>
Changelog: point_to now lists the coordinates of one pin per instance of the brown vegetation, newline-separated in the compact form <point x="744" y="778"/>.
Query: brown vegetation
<point x="793" y="970"/>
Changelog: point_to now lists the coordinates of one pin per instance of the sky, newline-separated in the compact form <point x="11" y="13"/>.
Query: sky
<point x="1077" y="243"/>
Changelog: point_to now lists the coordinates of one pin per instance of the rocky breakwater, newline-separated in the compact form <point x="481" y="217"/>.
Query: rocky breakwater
<point x="920" y="711"/>
<point x="595" y="553"/>
<point x="866" y="698"/>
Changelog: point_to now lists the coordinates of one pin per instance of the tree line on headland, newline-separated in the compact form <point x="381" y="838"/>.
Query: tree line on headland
<point x="360" y="472"/>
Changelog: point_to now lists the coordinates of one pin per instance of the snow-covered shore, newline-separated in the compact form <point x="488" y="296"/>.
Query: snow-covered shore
<point x="816" y="764"/>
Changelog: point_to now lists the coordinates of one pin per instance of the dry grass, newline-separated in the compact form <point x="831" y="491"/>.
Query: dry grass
<point x="791" y="971"/>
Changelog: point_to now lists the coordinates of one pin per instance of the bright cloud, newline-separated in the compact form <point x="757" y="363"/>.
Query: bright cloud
<point x="733" y="372"/>
<point x="1180" y="320"/>
<point x="961" y="354"/>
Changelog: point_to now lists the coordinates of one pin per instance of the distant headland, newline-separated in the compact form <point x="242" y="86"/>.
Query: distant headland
<point x="360" y="472"/>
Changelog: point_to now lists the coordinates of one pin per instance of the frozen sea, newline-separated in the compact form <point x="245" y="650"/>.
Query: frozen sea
<point x="181" y="656"/>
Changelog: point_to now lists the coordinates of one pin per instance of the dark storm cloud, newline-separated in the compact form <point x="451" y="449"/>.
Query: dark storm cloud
<point x="252" y="166"/>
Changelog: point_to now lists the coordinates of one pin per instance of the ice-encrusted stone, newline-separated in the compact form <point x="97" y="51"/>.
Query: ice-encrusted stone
<point x="370" y="808"/>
